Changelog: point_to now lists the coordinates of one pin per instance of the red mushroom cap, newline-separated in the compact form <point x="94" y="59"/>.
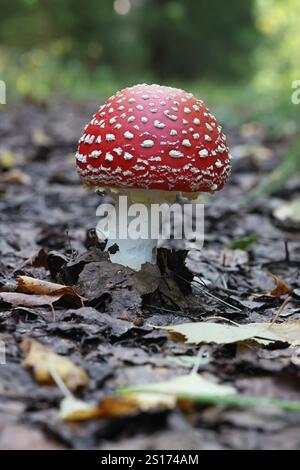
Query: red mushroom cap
<point x="154" y="137"/>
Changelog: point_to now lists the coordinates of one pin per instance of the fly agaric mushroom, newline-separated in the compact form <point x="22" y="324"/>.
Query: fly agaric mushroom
<point x="151" y="142"/>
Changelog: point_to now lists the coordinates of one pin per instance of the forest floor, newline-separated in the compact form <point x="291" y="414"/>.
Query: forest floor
<point x="45" y="233"/>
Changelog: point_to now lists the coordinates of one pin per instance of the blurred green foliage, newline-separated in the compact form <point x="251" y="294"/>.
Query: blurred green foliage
<point x="289" y="168"/>
<point x="245" y="243"/>
<point x="205" y="38"/>
<point x="278" y="56"/>
<point x="54" y="44"/>
<point x="183" y="38"/>
<point x="244" y="54"/>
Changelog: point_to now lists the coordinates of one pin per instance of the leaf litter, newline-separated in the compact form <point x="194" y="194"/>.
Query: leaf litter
<point x="103" y="318"/>
<point x="262" y="333"/>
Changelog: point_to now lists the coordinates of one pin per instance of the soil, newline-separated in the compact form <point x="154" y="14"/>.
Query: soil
<point x="47" y="232"/>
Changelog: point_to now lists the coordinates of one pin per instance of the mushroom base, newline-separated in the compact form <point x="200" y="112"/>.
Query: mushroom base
<point x="136" y="229"/>
<point x="133" y="253"/>
<point x="135" y="234"/>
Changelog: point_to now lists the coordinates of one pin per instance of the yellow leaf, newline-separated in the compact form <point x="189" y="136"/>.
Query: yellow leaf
<point x="7" y="160"/>
<point x="264" y="333"/>
<point x="167" y="393"/>
<point x="40" y="138"/>
<point x="72" y="409"/>
<point x="37" y="358"/>
<point x="289" y="211"/>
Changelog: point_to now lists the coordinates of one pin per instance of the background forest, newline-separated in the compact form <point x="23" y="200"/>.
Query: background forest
<point x="224" y="50"/>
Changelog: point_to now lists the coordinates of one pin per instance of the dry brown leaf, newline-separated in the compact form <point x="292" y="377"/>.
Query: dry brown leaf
<point x="38" y="260"/>
<point x="27" y="300"/>
<point x="282" y="288"/>
<point x="118" y="406"/>
<point x="31" y="285"/>
<point x="37" y="358"/>
<point x="40" y="138"/>
<point x="35" y="292"/>
<point x="15" y="177"/>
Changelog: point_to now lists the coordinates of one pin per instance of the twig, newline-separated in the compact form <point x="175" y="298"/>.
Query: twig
<point x="53" y="312"/>
<point x="222" y="318"/>
<point x="287" y="251"/>
<point x="58" y="380"/>
<point x="209" y="294"/>
<point x="163" y="309"/>
<point x="285" y="303"/>
<point x="224" y="289"/>
<point x="224" y="281"/>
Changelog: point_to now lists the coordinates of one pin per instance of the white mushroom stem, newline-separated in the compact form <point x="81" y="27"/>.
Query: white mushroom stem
<point x="133" y="252"/>
<point x="129" y="226"/>
<point x="132" y="224"/>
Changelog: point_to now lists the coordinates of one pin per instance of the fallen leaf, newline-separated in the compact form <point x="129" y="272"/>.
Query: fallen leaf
<point x="38" y="260"/>
<point x="7" y="159"/>
<point x="122" y="286"/>
<point x="117" y="406"/>
<point x="150" y="400"/>
<point x="40" y="138"/>
<point x="147" y="279"/>
<point x="31" y="285"/>
<point x="37" y="358"/>
<point x="195" y="388"/>
<point x="72" y="409"/>
<point x="15" y="177"/>
<point x="26" y="300"/>
<point x="233" y="258"/>
<point x="258" y="152"/>
<point x="167" y="393"/>
<point x="282" y="288"/>
<point x="289" y="211"/>
<point x="263" y="333"/>
<point x="143" y="397"/>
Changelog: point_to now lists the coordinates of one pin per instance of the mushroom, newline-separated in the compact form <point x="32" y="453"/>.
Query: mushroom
<point x="151" y="143"/>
